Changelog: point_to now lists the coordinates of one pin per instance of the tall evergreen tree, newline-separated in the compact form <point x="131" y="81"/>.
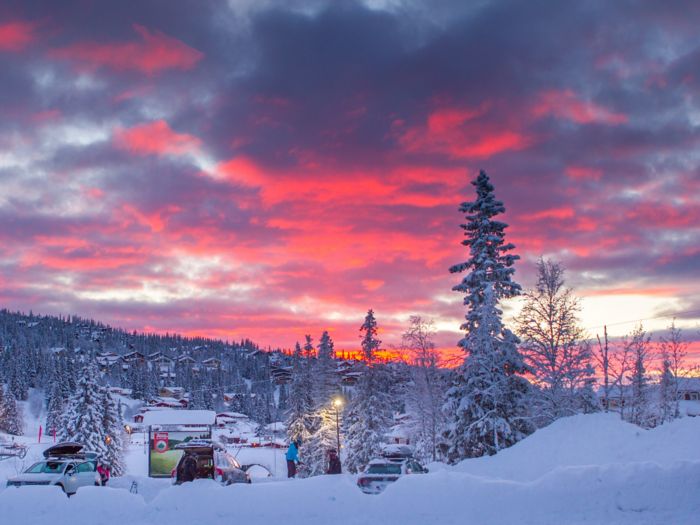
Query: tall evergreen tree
<point x="368" y="416"/>
<point x="56" y="405"/>
<point x="640" y="412"/>
<point x="486" y="406"/>
<point x="113" y="426"/>
<point x="11" y="420"/>
<point x="84" y="418"/>
<point x="300" y="425"/>
<point x="325" y="376"/>
<point x="486" y="409"/>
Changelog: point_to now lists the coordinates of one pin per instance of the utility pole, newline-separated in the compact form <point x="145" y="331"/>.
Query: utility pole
<point x="605" y="363"/>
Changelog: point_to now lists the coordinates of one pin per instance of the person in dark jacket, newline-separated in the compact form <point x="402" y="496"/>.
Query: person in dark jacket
<point x="333" y="462"/>
<point x="292" y="458"/>
<point x="187" y="469"/>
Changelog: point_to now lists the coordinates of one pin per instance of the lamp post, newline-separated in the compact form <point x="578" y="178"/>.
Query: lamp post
<point x="337" y="403"/>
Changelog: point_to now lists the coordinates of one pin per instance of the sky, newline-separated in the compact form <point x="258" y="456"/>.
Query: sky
<point x="270" y="169"/>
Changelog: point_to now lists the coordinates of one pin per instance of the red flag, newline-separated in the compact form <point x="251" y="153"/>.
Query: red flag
<point x="39" y="433"/>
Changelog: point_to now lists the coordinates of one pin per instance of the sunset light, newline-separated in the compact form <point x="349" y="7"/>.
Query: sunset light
<point x="310" y="262"/>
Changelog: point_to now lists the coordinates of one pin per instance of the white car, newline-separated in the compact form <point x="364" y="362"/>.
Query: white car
<point x="65" y="466"/>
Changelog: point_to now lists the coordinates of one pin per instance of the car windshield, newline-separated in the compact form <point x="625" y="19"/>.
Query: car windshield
<point x="384" y="468"/>
<point x="46" y="467"/>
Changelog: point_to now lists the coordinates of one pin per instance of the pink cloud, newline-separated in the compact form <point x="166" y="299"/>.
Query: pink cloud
<point x="583" y="173"/>
<point x="16" y="36"/>
<point x="565" y="104"/>
<point x="155" y="138"/>
<point x="462" y="133"/>
<point x="153" y="53"/>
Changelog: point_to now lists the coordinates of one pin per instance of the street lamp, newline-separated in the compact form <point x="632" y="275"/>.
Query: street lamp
<point x="337" y="403"/>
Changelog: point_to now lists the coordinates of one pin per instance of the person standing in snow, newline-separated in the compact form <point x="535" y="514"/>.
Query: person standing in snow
<point x="292" y="458"/>
<point x="333" y="462"/>
<point x="187" y="469"/>
<point x="104" y="471"/>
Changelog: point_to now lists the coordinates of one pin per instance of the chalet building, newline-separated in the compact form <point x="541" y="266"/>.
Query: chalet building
<point x="167" y="402"/>
<point x="349" y="372"/>
<point x="186" y="360"/>
<point x="164" y="364"/>
<point x="106" y="360"/>
<point x="133" y="357"/>
<point x="224" y="419"/>
<point x="281" y="375"/>
<point x="689" y="388"/>
<point x="212" y="363"/>
<point x="175" y="392"/>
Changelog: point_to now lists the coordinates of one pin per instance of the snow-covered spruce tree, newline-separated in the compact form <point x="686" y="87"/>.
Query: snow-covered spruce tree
<point x="667" y="405"/>
<point x="55" y="407"/>
<point x="486" y="405"/>
<point x="324" y="375"/>
<point x="18" y="380"/>
<point x="113" y="425"/>
<point x="674" y="350"/>
<point x="11" y="420"/>
<point x="640" y="410"/>
<point x="84" y="418"/>
<point x="322" y="440"/>
<point x="368" y="416"/>
<point x="554" y="347"/>
<point x="325" y="389"/>
<point x="300" y="424"/>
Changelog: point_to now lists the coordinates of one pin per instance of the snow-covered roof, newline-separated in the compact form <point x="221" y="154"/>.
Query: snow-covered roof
<point x="179" y="417"/>
<point x="689" y="383"/>
<point x="232" y="415"/>
<point x="276" y="426"/>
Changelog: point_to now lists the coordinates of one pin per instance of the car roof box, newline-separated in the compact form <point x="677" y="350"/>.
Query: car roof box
<point x="69" y="449"/>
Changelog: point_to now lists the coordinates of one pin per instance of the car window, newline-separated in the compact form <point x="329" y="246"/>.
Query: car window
<point x="88" y="466"/>
<point x="46" y="467"/>
<point x="234" y="462"/>
<point x="384" y="468"/>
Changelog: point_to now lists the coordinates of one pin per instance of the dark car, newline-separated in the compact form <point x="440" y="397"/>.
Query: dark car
<point x="213" y="462"/>
<point x="394" y="463"/>
<point x="65" y="465"/>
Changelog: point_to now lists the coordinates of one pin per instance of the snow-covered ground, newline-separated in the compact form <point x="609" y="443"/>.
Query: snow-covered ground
<point x="584" y="469"/>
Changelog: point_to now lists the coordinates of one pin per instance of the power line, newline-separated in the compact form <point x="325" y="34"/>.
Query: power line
<point x="670" y="316"/>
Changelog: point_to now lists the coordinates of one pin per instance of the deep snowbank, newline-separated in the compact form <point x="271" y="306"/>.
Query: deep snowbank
<point x="585" y="469"/>
<point x="641" y="493"/>
<point x="592" y="439"/>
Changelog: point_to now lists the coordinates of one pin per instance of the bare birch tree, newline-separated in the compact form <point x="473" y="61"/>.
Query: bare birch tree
<point x="554" y="347"/>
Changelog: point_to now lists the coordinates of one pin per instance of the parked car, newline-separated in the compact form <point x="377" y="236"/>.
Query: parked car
<point x="213" y="462"/>
<point x="387" y="469"/>
<point x="65" y="465"/>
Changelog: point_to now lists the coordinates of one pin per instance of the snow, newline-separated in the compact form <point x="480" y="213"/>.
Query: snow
<point x="179" y="417"/>
<point x="590" y="469"/>
<point x="593" y="439"/>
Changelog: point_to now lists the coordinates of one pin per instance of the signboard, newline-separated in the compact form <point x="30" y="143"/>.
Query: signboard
<point x="160" y="442"/>
<point x="163" y="455"/>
